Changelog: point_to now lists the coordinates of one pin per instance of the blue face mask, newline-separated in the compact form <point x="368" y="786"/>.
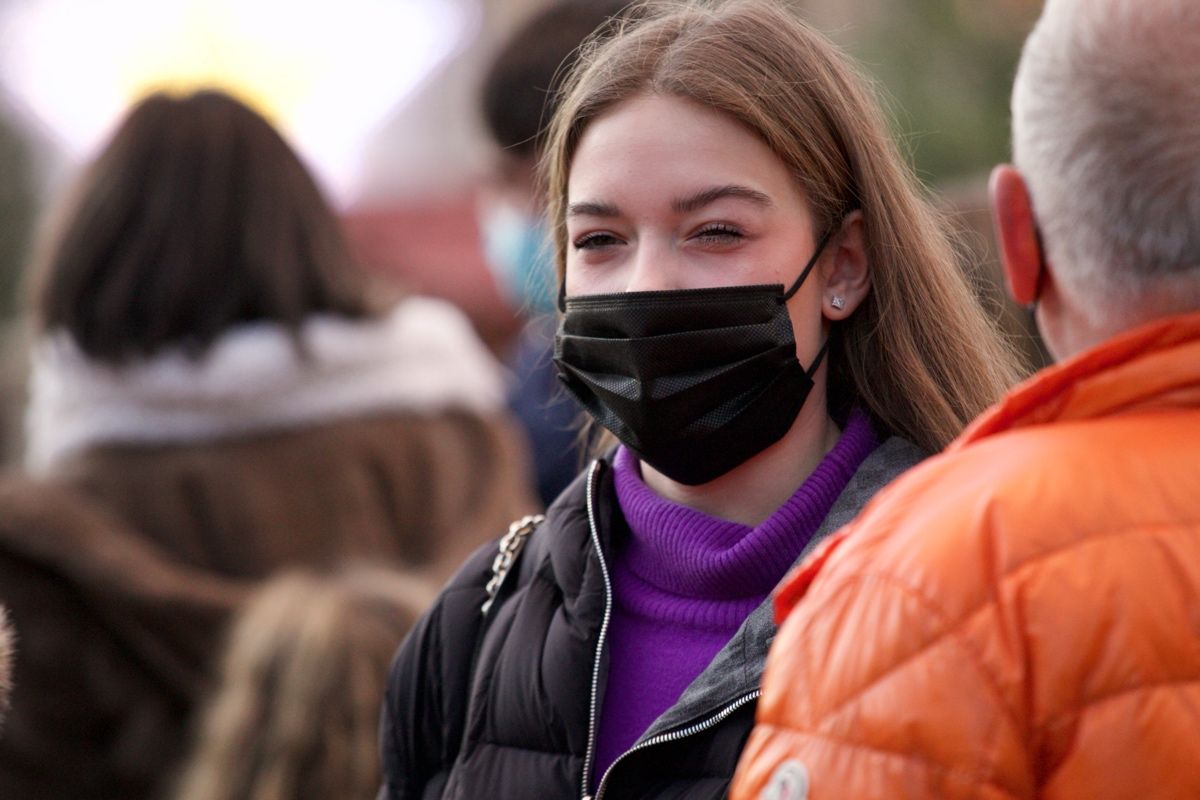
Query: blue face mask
<point x="517" y="249"/>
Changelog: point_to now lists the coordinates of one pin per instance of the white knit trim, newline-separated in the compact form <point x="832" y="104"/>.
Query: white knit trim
<point x="422" y="357"/>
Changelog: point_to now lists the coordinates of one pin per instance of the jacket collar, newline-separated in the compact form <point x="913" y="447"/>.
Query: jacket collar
<point x="1155" y="365"/>
<point x="738" y="667"/>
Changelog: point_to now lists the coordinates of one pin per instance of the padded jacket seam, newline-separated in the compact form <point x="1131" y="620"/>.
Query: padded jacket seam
<point x="951" y="630"/>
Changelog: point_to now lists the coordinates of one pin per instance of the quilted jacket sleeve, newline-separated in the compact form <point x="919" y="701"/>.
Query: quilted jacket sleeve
<point x="914" y="714"/>
<point x="900" y="669"/>
<point x="424" y="708"/>
<point x="1016" y="617"/>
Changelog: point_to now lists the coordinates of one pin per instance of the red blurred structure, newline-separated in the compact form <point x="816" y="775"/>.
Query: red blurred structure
<point x="432" y="247"/>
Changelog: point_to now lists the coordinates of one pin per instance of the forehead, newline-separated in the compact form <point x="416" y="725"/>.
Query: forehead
<point x="659" y="144"/>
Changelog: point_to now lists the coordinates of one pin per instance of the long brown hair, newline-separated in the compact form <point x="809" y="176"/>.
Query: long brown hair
<point x="297" y="711"/>
<point x="196" y="216"/>
<point x="919" y="353"/>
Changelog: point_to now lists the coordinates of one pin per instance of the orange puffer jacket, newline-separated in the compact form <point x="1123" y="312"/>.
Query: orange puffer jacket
<point x="1016" y="618"/>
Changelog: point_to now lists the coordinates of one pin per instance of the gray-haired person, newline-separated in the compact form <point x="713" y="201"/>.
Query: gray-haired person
<point x="1020" y="617"/>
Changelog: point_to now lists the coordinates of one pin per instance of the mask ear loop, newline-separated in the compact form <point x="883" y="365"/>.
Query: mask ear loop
<point x="562" y="293"/>
<point x="820" y="357"/>
<point x="812" y="262"/>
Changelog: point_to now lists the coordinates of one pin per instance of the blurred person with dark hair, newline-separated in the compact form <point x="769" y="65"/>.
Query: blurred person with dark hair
<point x="1020" y="617"/>
<point x="211" y="379"/>
<point x="297" y="709"/>
<point x="518" y="99"/>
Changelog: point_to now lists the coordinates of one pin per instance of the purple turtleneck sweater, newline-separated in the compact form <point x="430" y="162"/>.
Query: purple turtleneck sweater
<point x="684" y="582"/>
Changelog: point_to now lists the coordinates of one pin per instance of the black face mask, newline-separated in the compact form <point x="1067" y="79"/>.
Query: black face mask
<point x="694" y="381"/>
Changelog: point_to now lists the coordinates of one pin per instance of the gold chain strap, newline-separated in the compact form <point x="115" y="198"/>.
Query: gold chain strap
<point x="511" y="544"/>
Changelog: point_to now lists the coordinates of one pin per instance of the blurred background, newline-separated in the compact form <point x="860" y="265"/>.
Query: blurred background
<point x="381" y="97"/>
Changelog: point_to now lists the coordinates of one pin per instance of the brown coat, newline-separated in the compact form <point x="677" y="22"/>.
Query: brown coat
<point x="121" y="570"/>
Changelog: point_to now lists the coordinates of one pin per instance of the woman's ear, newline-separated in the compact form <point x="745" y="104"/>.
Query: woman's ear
<point x="1021" y="254"/>
<point x="847" y="269"/>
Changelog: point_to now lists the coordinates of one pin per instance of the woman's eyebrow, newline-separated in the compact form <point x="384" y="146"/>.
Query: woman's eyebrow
<point x="682" y="205"/>
<point x="697" y="201"/>
<point x="589" y="208"/>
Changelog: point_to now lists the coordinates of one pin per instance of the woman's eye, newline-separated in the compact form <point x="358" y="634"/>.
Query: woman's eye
<point x="594" y="241"/>
<point x="718" y="234"/>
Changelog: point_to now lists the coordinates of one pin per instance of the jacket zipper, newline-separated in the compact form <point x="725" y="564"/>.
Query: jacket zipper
<point x="592" y="713"/>
<point x="675" y="735"/>
<point x="669" y="736"/>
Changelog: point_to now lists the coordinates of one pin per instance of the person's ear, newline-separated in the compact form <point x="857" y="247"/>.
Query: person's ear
<point x="1016" y="231"/>
<point x="847" y="269"/>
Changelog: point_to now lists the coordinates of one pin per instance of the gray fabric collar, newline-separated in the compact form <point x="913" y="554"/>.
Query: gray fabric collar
<point x="737" y="669"/>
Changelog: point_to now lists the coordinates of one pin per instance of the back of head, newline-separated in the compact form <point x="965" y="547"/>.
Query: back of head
<point x="297" y="710"/>
<point x="1106" y="130"/>
<point x="918" y="353"/>
<point x="196" y="217"/>
<point x="519" y="86"/>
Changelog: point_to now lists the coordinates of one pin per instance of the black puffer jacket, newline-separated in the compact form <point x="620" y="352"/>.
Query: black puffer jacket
<point x="524" y="725"/>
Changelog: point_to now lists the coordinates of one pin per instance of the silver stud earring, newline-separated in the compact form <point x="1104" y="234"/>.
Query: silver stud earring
<point x="837" y="302"/>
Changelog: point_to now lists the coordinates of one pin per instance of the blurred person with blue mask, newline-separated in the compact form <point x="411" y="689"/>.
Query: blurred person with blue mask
<point x="514" y="239"/>
<point x="517" y="101"/>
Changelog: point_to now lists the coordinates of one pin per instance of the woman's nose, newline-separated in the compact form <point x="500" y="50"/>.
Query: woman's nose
<point x="656" y="266"/>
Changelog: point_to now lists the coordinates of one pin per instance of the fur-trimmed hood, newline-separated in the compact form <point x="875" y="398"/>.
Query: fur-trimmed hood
<point x="422" y="357"/>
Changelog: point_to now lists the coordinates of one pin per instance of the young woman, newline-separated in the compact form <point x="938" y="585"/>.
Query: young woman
<point x="763" y="310"/>
<point x="212" y="384"/>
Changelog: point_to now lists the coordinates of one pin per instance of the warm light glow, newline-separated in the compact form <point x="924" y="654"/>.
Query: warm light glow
<point x="326" y="73"/>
